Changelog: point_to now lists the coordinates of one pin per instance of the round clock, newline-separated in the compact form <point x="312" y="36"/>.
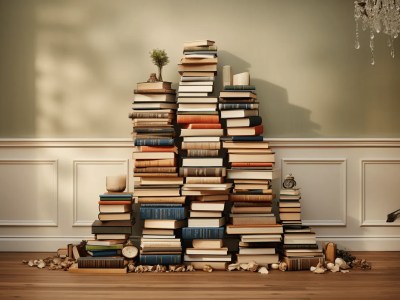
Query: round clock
<point x="289" y="182"/>
<point x="129" y="251"/>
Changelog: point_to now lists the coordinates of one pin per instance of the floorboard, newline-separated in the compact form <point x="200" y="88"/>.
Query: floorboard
<point x="18" y="281"/>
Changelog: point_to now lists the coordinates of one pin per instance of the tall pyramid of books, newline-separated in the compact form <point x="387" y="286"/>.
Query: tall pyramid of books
<point x="202" y="161"/>
<point x="250" y="168"/>
<point x="300" y="250"/>
<point x="156" y="180"/>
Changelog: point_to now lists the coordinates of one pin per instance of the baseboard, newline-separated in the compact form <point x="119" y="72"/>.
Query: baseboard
<point x="38" y="244"/>
<point x="362" y="243"/>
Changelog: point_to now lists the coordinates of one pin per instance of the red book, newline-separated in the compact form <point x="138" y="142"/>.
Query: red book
<point x="203" y="126"/>
<point x="190" y="119"/>
<point x="157" y="149"/>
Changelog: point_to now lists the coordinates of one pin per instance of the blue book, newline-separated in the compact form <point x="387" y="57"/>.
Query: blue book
<point x="154" y="142"/>
<point x="162" y="213"/>
<point x="256" y="138"/>
<point x="202" y="233"/>
<point x="227" y="106"/>
<point x="165" y="259"/>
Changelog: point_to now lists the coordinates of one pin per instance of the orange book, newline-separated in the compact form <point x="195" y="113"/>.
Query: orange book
<point x="190" y="119"/>
<point x="157" y="149"/>
<point x="252" y="164"/>
<point x="203" y="126"/>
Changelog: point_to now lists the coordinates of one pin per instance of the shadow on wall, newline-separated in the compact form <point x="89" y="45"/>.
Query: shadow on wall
<point x="280" y="118"/>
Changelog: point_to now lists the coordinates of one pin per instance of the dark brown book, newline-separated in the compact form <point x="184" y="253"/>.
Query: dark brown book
<point x="119" y="227"/>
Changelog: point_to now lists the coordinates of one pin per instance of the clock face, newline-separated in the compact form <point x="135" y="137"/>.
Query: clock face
<point x="289" y="183"/>
<point x="129" y="251"/>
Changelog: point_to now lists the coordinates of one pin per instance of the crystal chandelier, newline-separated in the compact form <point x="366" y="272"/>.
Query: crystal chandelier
<point x="377" y="16"/>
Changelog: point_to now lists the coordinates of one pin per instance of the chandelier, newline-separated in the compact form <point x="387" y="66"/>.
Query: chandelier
<point x="377" y="16"/>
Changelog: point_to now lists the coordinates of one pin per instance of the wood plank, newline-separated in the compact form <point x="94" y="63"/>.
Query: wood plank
<point x="20" y="281"/>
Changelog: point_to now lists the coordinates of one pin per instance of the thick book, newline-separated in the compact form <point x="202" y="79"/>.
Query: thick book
<point x="200" y="162"/>
<point x="251" y="174"/>
<point x="251" y="157"/>
<point x="203" y="232"/>
<point x="251" y="197"/>
<point x="114" y="208"/>
<point x="104" y="253"/>
<point x="162" y="200"/>
<point x="243" y="122"/>
<point x="199" y="43"/>
<point x="104" y="247"/>
<point x="164" y="224"/>
<point x="196" y="88"/>
<point x="201" y="132"/>
<point x="163" y="213"/>
<point x="239" y="88"/>
<point x="142" y="193"/>
<point x="207" y="257"/>
<point x="254" y="229"/>
<point x="207" y="206"/>
<point x="206" y="222"/>
<point x="237" y="94"/>
<point x="154" y="85"/>
<point x="112" y="227"/>
<point x="245" y="131"/>
<point x="230" y="106"/>
<point x="154" y="142"/>
<point x="197" y="68"/>
<point x="165" y="259"/>
<point x="191" y="119"/>
<point x="302" y="263"/>
<point x="114" y="216"/>
<point x="238" y="113"/>
<point x="146" y="98"/>
<point x="210" y="251"/>
<point x="100" y="262"/>
<point x="202" y="171"/>
<point x="207" y="244"/>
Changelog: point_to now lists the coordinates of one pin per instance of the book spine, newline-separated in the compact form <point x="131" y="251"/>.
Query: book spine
<point x="247" y="138"/>
<point x="155" y="163"/>
<point x="206" y="172"/>
<point x="203" y="233"/>
<point x="160" y="259"/>
<point x="155" y="170"/>
<point x="100" y="262"/>
<point x="228" y="106"/>
<point x="201" y="146"/>
<point x="154" y="142"/>
<point x="154" y="130"/>
<point x="163" y="213"/>
<point x="112" y="229"/>
<point x="202" y="153"/>
<point x="251" y="198"/>
<point x="140" y="115"/>
<point x="239" y="87"/>
<point x="303" y="263"/>
<point x="188" y="119"/>
<point x="252" y="164"/>
<point x="203" y="126"/>
<point x="102" y="248"/>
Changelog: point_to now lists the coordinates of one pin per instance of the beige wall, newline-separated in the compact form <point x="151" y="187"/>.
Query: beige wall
<point x="68" y="68"/>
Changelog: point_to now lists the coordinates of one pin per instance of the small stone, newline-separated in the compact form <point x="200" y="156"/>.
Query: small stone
<point x="263" y="270"/>
<point x="274" y="266"/>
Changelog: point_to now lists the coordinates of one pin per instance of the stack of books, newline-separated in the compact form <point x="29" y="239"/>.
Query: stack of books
<point x="289" y="206"/>
<point x="300" y="250"/>
<point x="156" y="180"/>
<point x="251" y="163"/>
<point x="160" y="242"/>
<point x="114" y="225"/>
<point x="111" y="230"/>
<point x="209" y="252"/>
<point x="202" y="161"/>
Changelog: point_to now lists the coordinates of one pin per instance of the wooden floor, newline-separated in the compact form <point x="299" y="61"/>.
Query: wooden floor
<point x="18" y="281"/>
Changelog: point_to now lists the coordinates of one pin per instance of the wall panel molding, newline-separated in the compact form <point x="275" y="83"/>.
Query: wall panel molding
<point x="77" y="182"/>
<point x="53" y="164"/>
<point x="341" y="162"/>
<point x="382" y="222"/>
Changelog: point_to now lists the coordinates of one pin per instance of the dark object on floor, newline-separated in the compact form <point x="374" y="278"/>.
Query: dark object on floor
<point x="393" y="216"/>
<point x="346" y="256"/>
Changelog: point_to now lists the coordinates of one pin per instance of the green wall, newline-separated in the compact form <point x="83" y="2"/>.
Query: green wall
<point x="68" y="68"/>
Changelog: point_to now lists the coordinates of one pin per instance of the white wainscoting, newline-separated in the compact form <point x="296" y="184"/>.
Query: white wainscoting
<point x="50" y="188"/>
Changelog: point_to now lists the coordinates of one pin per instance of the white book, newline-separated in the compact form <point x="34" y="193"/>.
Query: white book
<point x="194" y="82"/>
<point x="195" y="88"/>
<point x="201" y="139"/>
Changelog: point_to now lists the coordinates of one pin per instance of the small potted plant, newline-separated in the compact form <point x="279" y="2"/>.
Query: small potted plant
<point x="160" y="59"/>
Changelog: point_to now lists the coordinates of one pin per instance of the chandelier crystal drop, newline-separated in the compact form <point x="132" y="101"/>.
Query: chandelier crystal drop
<point x="377" y="16"/>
